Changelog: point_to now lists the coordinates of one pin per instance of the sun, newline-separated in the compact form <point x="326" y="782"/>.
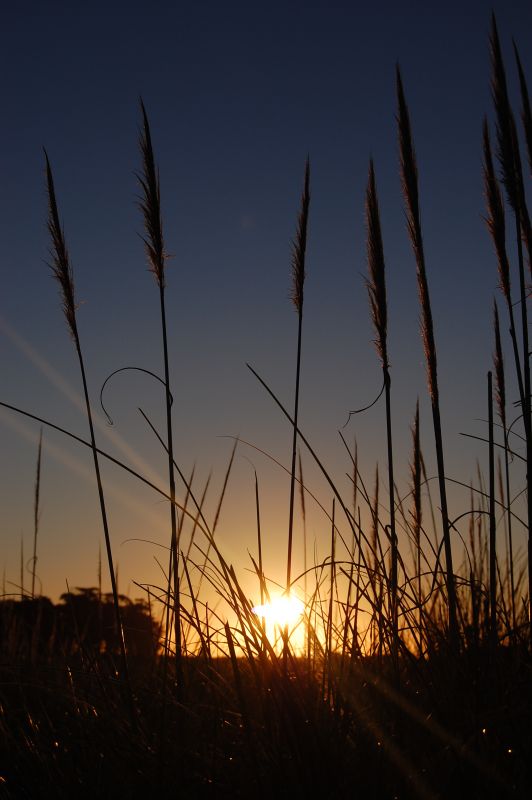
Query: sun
<point x="281" y="611"/>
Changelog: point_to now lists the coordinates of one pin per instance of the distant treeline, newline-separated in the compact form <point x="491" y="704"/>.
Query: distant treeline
<point x="83" y="622"/>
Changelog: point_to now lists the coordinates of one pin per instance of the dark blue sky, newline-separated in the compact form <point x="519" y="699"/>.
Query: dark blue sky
<point x="237" y="95"/>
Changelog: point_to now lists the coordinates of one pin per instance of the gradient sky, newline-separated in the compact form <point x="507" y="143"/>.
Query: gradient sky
<point x="237" y="95"/>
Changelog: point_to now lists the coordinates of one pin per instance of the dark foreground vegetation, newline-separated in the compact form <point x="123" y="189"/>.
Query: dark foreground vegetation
<point x="413" y="675"/>
<point x="445" y="726"/>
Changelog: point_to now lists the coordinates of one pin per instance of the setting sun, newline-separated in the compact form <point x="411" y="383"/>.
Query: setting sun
<point x="281" y="611"/>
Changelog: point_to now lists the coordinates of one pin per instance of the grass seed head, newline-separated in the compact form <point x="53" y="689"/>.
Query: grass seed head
<point x="526" y="114"/>
<point x="300" y="245"/>
<point x="498" y="364"/>
<point x="495" y="219"/>
<point x="377" y="283"/>
<point x="507" y="144"/>
<point x="60" y="263"/>
<point x="409" y="181"/>
<point x="150" y="203"/>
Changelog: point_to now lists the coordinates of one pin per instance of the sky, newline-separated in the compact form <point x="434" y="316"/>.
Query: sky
<point x="237" y="95"/>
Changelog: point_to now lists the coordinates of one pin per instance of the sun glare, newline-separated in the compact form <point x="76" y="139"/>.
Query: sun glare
<point x="281" y="611"/>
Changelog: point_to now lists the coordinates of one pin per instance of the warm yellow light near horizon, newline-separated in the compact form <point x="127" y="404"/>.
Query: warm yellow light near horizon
<point x="281" y="611"/>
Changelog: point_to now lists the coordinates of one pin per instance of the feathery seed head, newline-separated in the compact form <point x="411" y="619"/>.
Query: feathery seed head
<point x="300" y="244"/>
<point x="60" y="264"/>
<point x="498" y="363"/>
<point x="495" y="219"/>
<point x="377" y="283"/>
<point x="507" y="144"/>
<point x="526" y="117"/>
<point x="150" y="203"/>
<point x="526" y="114"/>
<point x="409" y="181"/>
<point x="409" y="175"/>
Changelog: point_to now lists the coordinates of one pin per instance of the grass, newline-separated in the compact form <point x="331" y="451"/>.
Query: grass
<point x="409" y="674"/>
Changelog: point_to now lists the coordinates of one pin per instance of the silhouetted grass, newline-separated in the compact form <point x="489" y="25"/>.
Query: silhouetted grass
<point x="413" y="673"/>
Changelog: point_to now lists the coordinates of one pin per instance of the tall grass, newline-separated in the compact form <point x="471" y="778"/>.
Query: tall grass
<point x="509" y="157"/>
<point x="412" y="676"/>
<point x="150" y="205"/>
<point x="62" y="272"/>
<point x="379" y="313"/>
<point x="409" y="177"/>
<point x="298" y="283"/>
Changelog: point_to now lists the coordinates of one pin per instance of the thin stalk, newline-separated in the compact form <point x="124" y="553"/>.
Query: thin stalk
<point x="259" y="547"/>
<point x="170" y="612"/>
<point x="259" y="539"/>
<point x="330" y="611"/>
<point x="298" y="278"/>
<point x="99" y="571"/>
<point x="354" y="643"/>
<point x="100" y="607"/>
<point x="475" y="608"/>
<point x="347" y="615"/>
<point x="377" y="580"/>
<point x="355" y="485"/>
<point x="417" y="517"/>
<point x="21" y="567"/>
<point x="355" y="529"/>
<point x="196" y="518"/>
<point x="526" y="412"/>
<point x="218" y="512"/>
<point x="305" y="577"/>
<point x="36" y="516"/>
<point x="500" y="393"/>
<point x="493" y="572"/>
<point x="112" y="460"/>
<point x="526" y="415"/>
<point x="200" y="514"/>
<point x="352" y="565"/>
<point x="203" y="643"/>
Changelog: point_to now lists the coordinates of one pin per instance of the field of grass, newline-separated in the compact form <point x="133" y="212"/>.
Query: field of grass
<point x="408" y="672"/>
